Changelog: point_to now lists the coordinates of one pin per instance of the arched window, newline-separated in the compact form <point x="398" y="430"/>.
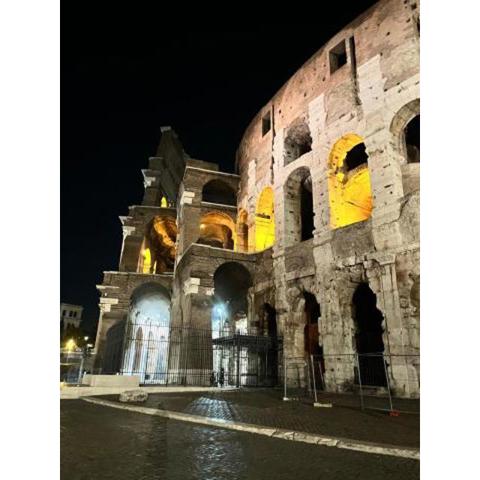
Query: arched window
<point x="217" y="230"/>
<point x="298" y="141"/>
<point x="219" y="192"/>
<point x="349" y="188"/>
<point x="299" y="215"/>
<point x="264" y="220"/>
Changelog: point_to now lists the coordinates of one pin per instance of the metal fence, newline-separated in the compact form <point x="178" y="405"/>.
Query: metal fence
<point x="70" y="364"/>
<point x="377" y="381"/>
<point x="166" y="355"/>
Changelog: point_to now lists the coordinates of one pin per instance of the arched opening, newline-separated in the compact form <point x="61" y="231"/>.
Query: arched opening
<point x="312" y="315"/>
<point x="219" y="192"/>
<point x="349" y="188"/>
<point x="412" y="140"/>
<point x="230" y="324"/>
<point x="369" y="336"/>
<point x="242" y="231"/>
<point x="217" y="230"/>
<point x="298" y="141"/>
<point x="313" y="349"/>
<point x="158" y="250"/>
<point x="264" y="220"/>
<point x="299" y="214"/>
<point x="147" y="334"/>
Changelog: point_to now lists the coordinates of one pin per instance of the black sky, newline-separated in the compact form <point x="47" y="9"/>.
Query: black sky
<point x="118" y="86"/>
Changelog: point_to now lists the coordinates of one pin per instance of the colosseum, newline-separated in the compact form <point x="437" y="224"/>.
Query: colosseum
<point x="303" y="265"/>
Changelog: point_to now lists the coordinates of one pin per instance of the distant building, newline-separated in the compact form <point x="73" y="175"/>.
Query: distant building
<point x="70" y="315"/>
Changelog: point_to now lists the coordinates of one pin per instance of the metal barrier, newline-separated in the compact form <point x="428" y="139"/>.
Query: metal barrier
<point x="375" y="381"/>
<point x="70" y="364"/>
<point x="161" y="354"/>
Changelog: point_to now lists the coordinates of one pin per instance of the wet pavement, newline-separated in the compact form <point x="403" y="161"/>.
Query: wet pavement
<point x="104" y="443"/>
<point x="266" y="408"/>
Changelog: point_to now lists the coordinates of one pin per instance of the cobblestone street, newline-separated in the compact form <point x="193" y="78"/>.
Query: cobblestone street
<point x="266" y="408"/>
<point x="103" y="443"/>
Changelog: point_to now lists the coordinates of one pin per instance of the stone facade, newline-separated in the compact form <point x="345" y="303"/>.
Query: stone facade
<point x="361" y="88"/>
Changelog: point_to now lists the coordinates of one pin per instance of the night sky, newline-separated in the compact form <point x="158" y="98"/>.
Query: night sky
<point x="119" y="85"/>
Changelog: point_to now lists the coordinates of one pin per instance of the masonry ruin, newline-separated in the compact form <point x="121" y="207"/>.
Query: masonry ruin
<point x="310" y="249"/>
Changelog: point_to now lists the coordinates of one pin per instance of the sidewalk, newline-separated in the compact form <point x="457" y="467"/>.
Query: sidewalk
<point x="267" y="409"/>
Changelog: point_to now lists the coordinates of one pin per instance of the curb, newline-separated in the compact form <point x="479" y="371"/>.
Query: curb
<point x="347" y="444"/>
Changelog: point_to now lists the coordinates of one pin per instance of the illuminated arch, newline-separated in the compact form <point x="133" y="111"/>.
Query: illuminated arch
<point x="158" y="249"/>
<point x="217" y="229"/>
<point x="264" y="220"/>
<point x="350" y="192"/>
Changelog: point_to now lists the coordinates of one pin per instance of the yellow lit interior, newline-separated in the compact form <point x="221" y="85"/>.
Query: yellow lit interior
<point x="350" y="193"/>
<point x="163" y="202"/>
<point x="147" y="261"/>
<point x="264" y="221"/>
<point x="212" y="226"/>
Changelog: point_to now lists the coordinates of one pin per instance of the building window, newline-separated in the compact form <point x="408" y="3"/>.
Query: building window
<point x="63" y="313"/>
<point x="266" y="124"/>
<point x="338" y="56"/>
<point x="70" y="314"/>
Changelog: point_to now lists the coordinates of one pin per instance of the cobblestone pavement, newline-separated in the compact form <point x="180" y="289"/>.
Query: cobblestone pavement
<point x="266" y="408"/>
<point x="100" y="443"/>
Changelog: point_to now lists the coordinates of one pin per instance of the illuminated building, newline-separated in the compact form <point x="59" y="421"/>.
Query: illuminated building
<point x="315" y="238"/>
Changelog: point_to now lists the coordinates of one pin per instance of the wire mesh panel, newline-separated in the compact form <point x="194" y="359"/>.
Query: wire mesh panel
<point x="379" y="381"/>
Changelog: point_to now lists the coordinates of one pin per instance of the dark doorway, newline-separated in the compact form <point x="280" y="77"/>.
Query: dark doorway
<point x="312" y="313"/>
<point x="369" y="336"/>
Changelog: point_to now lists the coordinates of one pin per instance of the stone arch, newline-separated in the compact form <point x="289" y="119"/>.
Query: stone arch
<point x="298" y="141"/>
<point x="158" y="251"/>
<point x="349" y="187"/>
<point x="299" y="213"/>
<point x="405" y="131"/>
<point x="232" y="281"/>
<point x="217" y="191"/>
<point x="217" y="229"/>
<point x="369" y="343"/>
<point x="400" y="121"/>
<point x="265" y="220"/>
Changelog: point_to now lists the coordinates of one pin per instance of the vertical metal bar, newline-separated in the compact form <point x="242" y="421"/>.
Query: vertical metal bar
<point x="284" y="376"/>
<point x="321" y="374"/>
<point x="360" y="381"/>
<point x="313" y="376"/>
<point x="388" y="383"/>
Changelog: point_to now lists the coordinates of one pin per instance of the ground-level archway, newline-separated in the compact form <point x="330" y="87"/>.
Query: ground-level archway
<point x="147" y="334"/>
<point x="369" y="336"/>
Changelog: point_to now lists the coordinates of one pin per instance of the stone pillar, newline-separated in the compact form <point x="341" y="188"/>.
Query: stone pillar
<point x="132" y="245"/>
